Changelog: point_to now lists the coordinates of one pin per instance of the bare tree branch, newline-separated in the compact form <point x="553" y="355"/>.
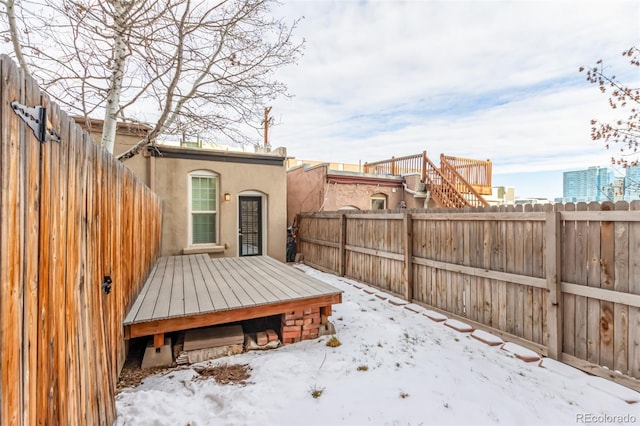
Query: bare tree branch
<point x="624" y="133"/>
<point x="199" y="66"/>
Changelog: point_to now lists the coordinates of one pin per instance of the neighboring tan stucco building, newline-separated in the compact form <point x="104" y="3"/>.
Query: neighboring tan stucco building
<point x="224" y="203"/>
<point x="320" y="188"/>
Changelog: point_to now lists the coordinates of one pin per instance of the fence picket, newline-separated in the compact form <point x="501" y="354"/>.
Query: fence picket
<point x="621" y="283"/>
<point x="568" y="274"/>
<point x="607" y="280"/>
<point x="593" y="280"/>
<point x="634" y="288"/>
<point x="11" y="302"/>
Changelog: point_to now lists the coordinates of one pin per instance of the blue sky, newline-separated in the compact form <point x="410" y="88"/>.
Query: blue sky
<point x="478" y="79"/>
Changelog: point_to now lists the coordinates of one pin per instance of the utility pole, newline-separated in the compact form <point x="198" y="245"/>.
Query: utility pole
<point x="267" y="121"/>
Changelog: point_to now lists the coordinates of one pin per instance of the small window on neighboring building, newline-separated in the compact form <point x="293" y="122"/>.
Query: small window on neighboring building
<point x="378" y="202"/>
<point x="203" y="207"/>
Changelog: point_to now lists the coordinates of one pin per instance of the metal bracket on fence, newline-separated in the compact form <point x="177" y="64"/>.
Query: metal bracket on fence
<point x="106" y="284"/>
<point x="36" y="118"/>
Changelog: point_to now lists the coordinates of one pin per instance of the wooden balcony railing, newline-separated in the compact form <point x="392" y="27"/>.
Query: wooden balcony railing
<point x="457" y="183"/>
<point x="476" y="173"/>
<point x="399" y="166"/>
<point x="462" y="186"/>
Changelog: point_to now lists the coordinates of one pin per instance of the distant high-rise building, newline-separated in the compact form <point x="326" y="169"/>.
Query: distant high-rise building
<point x="618" y="189"/>
<point x="592" y="184"/>
<point x="632" y="183"/>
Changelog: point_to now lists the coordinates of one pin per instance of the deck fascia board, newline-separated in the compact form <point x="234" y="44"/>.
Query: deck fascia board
<point x="169" y="325"/>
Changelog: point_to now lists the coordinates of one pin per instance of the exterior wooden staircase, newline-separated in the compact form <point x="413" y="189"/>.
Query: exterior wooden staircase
<point x="457" y="183"/>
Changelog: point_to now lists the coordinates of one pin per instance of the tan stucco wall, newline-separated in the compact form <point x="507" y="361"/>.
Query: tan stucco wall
<point x="171" y="183"/>
<point x="359" y="195"/>
<point x="305" y="189"/>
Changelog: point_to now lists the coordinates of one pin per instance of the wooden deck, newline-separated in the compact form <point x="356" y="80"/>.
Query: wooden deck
<point x="191" y="291"/>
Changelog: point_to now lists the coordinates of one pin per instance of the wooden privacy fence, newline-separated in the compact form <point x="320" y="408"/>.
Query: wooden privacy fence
<point x="563" y="280"/>
<point x="70" y="215"/>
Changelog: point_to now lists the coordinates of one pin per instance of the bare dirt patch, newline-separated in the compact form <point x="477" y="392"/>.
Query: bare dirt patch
<point x="132" y="375"/>
<point x="225" y="373"/>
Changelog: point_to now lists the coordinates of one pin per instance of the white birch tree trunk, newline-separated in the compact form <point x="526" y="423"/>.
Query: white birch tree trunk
<point x="120" y="53"/>
<point x="15" y="35"/>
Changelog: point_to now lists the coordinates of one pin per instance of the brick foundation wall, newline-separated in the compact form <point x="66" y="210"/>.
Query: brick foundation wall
<point x="300" y="325"/>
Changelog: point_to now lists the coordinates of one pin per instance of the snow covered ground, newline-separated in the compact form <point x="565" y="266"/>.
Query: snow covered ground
<point x="394" y="367"/>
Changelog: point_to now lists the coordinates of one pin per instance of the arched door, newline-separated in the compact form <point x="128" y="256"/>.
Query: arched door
<point x="250" y="220"/>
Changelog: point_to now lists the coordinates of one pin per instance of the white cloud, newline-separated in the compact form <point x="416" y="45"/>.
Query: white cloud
<point x="480" y="79"/>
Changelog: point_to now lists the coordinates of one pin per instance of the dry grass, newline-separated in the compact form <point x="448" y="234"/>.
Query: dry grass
<point x="333" y="342"/>
<point x="316" y="392"/>
<point x="226" y="373"/>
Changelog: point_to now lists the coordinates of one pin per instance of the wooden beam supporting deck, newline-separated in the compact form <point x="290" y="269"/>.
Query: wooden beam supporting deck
<point x="224" y="317"/>
<point x="194" y="291"/>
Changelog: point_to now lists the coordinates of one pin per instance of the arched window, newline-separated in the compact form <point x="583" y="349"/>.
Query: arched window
<point x="378" y="202"/>
<point x="203" y="207"/>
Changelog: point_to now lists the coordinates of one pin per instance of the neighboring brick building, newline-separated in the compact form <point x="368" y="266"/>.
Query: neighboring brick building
<point x="321" y="188"/>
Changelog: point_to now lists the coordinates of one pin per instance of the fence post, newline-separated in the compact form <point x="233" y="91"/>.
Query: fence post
<point x="343" y="242"/>
<point x="407" y="275"/>
<point x="553" y="248"/>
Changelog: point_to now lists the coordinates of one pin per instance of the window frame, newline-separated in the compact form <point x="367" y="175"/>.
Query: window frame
<point x="378" y="197"/>
<point x="216" y="212"/>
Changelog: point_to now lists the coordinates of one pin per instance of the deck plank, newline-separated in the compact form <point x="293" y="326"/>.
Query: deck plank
<point x="192" y="286"/>
<point x="217" y="297"/>
<point x="255" y="280"/>
<point x="275" y="287"/>
<point x="191" y="304"/>
<point x="230" y="298"/>
<point x="298" y="279"/>
<point x="176" y="300"/>
<point x="155" y="274"/>
<point x="279" y="278"/>
<point x="204" y="296"/>
<point x="149" y="300"/>
<point x="174" y="267"/>
<point x="246" y="293"/>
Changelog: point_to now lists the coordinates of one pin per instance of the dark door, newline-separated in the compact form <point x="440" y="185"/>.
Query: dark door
<point x="250" y="238"/>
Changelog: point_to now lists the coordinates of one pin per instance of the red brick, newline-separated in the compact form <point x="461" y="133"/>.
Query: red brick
<point x="308" y="321"/>
<point x="290" y="334"/>
<point x="311" y="327"/>
<point x="261" y="338"/>
<point x="289" y="322"/>
<point x="310" y="336"/>
<point x="293" y="315"/>
<point x="272" y="335"/>
<point x="287" y="340"/>
<point x="289" y="328"/>
<point x="307" y="311"/>
<point x="315" y="310"/>
<point x="299" y="322"/>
